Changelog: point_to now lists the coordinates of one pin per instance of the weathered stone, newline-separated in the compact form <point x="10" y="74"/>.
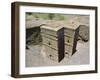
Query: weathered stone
<point x="84" y="33"/>
<point x="84" y="27"/>
<point x="33" y="36"/>
<point x="70" y="36"/>
<point x="53" y="40"/>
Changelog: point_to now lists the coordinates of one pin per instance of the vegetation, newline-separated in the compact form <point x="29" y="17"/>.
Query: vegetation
<point x="46" y="16"/>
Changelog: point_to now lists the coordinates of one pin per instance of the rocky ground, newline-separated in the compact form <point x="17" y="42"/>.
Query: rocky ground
<point x="35" y="56"/>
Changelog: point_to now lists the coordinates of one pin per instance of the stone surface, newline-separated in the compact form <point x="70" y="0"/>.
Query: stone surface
<point x="70" y="38"/>
<point x="53" y="40"/>
<point x="36" y="56"/>
<point x="84" y="33"/>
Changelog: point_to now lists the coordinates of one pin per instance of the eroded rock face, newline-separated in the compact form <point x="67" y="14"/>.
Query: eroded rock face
<point x="33" y="36"/>
<point x="84" y="33"/>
